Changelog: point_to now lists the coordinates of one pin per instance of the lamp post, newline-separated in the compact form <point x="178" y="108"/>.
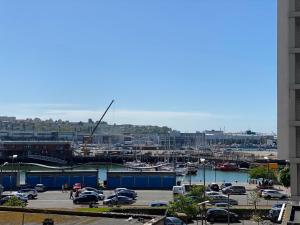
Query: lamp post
<point x="5" y="163"/>
<point x="228" y="205"/>
<point x="203" y="204"/>
<point x="287" y="163"/>
<point x="203" y="162"/>
<point x="268" y="176"/>
<point x="215" y="172"/>
<point x="12" y="169"/>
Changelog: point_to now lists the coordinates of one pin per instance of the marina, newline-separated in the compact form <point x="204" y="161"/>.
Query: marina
<point x="98" y="174"/>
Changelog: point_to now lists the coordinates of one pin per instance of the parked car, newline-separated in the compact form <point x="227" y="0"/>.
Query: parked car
<point x="269" y="193"/>
<point x="117" y="190"/>
<point x="121" y="189"/>
<point x="77" y="186"/>
<point x="211" y="193"/>
<point x="214" y="187"/>
<point x="158" y="204"/>
<point x="118" y="200"/>
<point x="259" y="192"/>
<point x="222" y="204"/>
<point x="273" y="215"/>
<point x="91" y="189"/>
<point x="30" y="193"/>
<point x="100" y="196"/>
<point x="86" y="199"/>
<point x="173" y="221"/>
<point x="40" y="188"/>
<point x="221" y="215"/>
<point x="234" y="190"/>
<point x="277" y="206"/>
<point x="221" y="199"/>
<point x="25" y="186"/>
<point x="126" y="193"/>
<point x="225" y="185"/>
<point x="190" y="197"/>
<point x="179" y="190"/>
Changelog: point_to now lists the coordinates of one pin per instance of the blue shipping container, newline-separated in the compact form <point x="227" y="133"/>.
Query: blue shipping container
<point x="141" y="182"/>
<point x="127" y="182"/>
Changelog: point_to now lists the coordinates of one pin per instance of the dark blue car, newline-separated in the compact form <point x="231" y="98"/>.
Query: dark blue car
<point x="128" y="194"/>
<point x="173" y="221"/>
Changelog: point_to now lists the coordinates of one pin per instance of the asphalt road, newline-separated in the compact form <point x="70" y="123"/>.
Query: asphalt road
<point x="13" y="218"/>
<point x="57" y="199"/>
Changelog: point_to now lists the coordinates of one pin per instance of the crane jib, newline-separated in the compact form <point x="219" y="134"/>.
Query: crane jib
<point x="98" y="123"/>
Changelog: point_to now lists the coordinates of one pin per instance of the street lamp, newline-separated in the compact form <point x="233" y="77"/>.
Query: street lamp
<point x="203" y="204"/>
<point x="287" y="163"/>
<point x="268" y="177"/>
<point x="215" y="172"/>
<point x="228" y="205"/>
<point x="203" y="162"/>
<point x="12" y="169"/>
<point x="4" y="164"/>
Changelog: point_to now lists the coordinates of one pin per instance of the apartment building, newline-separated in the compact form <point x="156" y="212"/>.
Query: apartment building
<point x="289" y="89"/>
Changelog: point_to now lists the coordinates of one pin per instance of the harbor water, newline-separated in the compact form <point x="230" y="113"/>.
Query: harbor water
<point x="210" y="175"/>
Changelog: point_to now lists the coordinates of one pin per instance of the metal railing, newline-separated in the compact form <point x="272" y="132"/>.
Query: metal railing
<point x="47" y="158"/>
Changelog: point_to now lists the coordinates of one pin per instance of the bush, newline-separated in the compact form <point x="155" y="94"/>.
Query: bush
<point x="285" y="177"/>
<point x="261" y="172"/>
<point x="184" y="205"/>
<point x="14" y="201"/>
<point x="197" y="191"/>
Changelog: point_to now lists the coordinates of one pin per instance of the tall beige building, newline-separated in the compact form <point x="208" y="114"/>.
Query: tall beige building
<point x="289" y="89"/>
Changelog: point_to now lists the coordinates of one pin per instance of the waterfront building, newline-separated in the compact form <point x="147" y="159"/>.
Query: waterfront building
<point x="49" y="151"/>
<point x="288" y="70"/>
<point x="245" y="139"/>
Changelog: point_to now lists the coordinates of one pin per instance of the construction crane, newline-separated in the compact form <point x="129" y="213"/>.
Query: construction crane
<point x="89" y="139"/>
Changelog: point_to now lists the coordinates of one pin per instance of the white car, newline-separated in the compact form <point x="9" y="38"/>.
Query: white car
<point x="30" y="193"/>
<point x="211" y="193"/>
<point x="20" y="195"/>
<point x="100" y="196"/>
<point x="179" y="190"/>
<point x="40" y="188"/>
<point x="268" y="194"/>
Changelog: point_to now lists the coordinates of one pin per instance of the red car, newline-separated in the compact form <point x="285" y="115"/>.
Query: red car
<point x="76" y="186"/>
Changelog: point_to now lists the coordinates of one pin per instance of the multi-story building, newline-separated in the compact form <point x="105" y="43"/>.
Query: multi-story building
<point x="289" y="89"/>
<point x="182" y="140"/>
<point x="53" y="151"/>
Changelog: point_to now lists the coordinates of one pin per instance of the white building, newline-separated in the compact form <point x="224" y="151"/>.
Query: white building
<point x="289" y="89"/>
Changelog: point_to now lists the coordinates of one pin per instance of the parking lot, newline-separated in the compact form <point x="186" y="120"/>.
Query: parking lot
<point x="57" y="199"/>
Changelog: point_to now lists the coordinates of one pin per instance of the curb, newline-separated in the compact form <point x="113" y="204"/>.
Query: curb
<point x="75" y="213"/>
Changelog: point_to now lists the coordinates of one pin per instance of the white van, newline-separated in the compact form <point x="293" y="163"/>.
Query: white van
<point x="178" y="190"/>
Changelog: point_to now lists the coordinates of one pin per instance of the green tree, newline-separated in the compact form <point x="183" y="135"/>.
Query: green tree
<point x="261" y="172"/>
<point x="285" y="177"/>
<point x="14" y="201"/>
<point x="198" y="192"/>
<point x="185" y="205"/>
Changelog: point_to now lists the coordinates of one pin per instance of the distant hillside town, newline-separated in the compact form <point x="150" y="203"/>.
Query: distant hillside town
<point x="13" y="129"/>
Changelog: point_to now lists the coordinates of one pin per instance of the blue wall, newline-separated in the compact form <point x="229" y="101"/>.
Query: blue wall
<point x="9" y="182"/>
<point x="141" y="182"/>
<point x="56" y="181"/>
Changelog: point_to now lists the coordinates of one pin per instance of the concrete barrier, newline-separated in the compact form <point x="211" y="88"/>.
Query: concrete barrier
<point x="75" y="213"/>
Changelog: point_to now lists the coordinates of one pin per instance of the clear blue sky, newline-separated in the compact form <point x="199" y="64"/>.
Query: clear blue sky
<point x="191" y="65"/>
